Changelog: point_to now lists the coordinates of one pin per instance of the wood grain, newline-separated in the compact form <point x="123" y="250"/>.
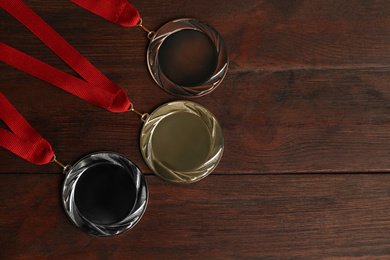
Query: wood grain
<point x="281" y="217"/>
<point x="285" y="121"/>
<point x="305" y="111"/>
<point x="307" y="89"/>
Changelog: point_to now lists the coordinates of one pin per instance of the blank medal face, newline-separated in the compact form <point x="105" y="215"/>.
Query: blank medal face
<point x="181" y="141"/>
<point x="105" y="194"/>
<point x="187" y="57"/>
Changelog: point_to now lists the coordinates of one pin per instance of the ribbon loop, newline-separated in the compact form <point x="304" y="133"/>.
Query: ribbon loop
<point x="95" y="88"/>
<point x="23" y="141"/>
<point x="117" y="11"/>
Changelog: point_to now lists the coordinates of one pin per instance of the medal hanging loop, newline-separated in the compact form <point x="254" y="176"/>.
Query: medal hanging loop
<point x="64" y="167"/>
<point x="144" y="116"/>
<point x="149" y="33"/>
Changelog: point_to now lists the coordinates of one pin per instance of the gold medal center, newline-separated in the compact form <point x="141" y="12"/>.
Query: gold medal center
<point x="181" y="141"/>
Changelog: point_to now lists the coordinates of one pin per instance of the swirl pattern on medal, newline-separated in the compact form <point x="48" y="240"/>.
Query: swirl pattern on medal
<point x="95" y="160"/>
<point x="182" y="90"/>
<point x="183" y="173"/>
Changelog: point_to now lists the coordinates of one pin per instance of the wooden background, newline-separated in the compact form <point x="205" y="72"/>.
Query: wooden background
<point x="305" y="110"/>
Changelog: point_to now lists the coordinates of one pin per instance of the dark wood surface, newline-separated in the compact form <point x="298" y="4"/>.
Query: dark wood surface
<point x="305" y="111"/>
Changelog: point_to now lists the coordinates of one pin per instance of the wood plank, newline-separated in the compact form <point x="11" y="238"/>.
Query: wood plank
<point x="310" y="34"/>
<point x="307" y="92"/>
<point x="281" y="121"/>
<point x="259" y="34"/>
<point x="307" y="89"/>
<point x="262" y="216"/>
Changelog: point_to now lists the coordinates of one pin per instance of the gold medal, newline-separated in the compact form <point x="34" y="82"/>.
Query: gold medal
<point x="181" y="141"/>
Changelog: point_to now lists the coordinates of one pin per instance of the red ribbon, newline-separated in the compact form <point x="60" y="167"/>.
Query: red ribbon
<point x="117" y="11"/>
<point x="96" y="88"/>
<point x="23" y="141"/>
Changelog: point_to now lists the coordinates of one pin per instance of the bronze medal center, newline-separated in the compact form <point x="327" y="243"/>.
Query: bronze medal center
<point x="188" y="58"/>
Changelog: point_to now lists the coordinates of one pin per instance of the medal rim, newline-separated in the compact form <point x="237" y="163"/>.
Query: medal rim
<point x="216" y="137"/>
<point x="182" y="91"/>
<point x="104" y="230"/>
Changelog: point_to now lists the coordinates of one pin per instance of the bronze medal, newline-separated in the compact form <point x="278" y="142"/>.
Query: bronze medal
<point x="187" y="57"/>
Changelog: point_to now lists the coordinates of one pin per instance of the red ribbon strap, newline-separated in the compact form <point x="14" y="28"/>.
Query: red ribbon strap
<point x="23" y="141"/>
<point x="117" y="11"/>
<point x="96" y="88"/>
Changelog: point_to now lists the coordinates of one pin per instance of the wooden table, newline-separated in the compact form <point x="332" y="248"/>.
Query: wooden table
<point x="305" y="111"/>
